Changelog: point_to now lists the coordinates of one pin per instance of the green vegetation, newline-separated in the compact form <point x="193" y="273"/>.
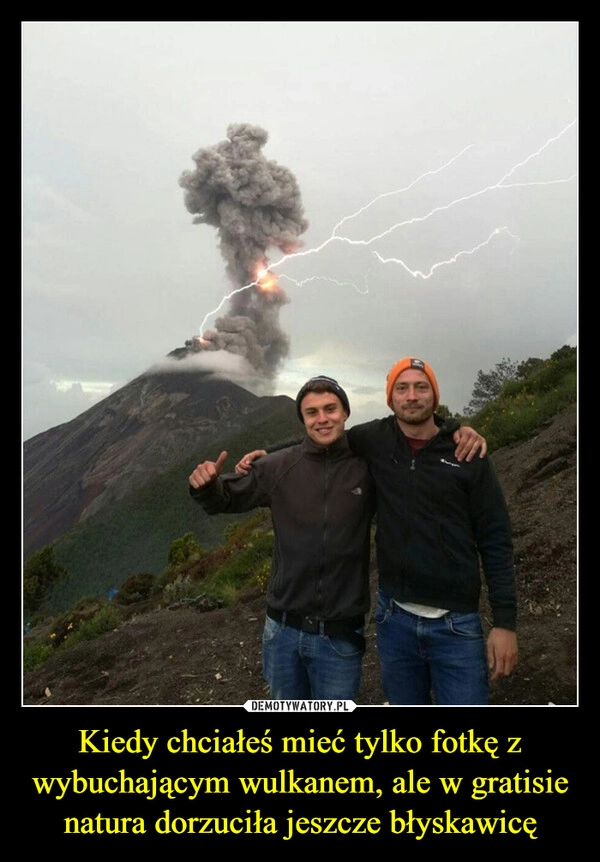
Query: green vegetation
<point x="104" y="620"/>
<point x="35" y="654"/>
<point x="184" y="550"/>
<point x="489" y="384"/>
<point x="40" y="574"/>
<point x="137" y="588"/>
<point x="244" y="559"/>
<point x="86" y="620"/>
<point x="215" y="578"/>
<point x="241" y="568"/>
<point x="542" y="389"/>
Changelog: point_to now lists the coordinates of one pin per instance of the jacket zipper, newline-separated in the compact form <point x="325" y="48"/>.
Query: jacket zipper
<point x="324" y="531"/>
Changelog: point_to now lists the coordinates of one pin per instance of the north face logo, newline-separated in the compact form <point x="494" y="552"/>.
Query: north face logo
<point x="356" y="491"/>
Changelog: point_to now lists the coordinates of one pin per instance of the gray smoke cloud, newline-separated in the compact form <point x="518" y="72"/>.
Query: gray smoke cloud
<point x="254" y="204"/>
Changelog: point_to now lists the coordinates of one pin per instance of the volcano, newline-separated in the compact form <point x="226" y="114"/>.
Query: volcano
<point x="160" y="419"/>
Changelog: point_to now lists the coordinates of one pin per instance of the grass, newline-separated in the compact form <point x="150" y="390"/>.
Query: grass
<point x="241" y="568"/>
<point x="35" y="654"/>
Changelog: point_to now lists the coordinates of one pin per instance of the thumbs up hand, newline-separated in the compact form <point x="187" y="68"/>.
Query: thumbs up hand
<point x="207" y="471"/>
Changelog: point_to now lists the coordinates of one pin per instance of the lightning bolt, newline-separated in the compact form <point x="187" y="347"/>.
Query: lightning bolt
<point x="336" y="237"/>
<point x="416" y="273"/>
<point x="335" y="281"/>
<point x="400" y="191"/>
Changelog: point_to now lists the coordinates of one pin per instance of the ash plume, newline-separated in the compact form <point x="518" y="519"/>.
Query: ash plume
<point x="254" y="204"/>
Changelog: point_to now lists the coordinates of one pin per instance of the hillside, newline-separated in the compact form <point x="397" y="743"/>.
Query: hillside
<point x="186" y="656"/>
<point x="106" y="488"/>
<point x="78" y="469"/>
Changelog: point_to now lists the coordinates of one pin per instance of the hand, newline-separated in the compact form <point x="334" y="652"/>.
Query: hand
<point x="244" y="466"/>
<point x="502" y="652"/>
<point x="207" y="472"/>
<point x="468" y="442"/>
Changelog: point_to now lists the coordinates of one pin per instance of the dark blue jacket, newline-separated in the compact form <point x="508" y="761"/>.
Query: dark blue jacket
<point x="437" y="519"/>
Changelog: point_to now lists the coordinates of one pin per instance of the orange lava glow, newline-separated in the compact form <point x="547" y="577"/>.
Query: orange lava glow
<point x="266" y="281"/>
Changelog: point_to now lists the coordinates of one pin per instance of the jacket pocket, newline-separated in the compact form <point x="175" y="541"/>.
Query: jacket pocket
<point x="465" y="625"/>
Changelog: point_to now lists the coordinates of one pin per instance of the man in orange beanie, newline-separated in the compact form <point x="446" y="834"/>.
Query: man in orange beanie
<point x="437" y="519"/>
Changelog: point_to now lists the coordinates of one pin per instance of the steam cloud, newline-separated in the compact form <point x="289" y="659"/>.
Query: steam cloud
<point x="255" y="205"/>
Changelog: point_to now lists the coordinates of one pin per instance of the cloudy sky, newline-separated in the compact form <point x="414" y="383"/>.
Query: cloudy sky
<point x="436" y="164"/>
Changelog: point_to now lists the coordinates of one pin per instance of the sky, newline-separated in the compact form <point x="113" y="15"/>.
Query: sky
<point x="426" y="173"/>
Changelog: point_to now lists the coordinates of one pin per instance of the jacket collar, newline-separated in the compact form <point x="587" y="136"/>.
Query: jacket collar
<point x="446" y="427"/>
<point x="337" y="449"/>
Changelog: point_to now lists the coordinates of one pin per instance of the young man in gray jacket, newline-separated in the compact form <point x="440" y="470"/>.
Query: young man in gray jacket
<point x="322" y="501"/>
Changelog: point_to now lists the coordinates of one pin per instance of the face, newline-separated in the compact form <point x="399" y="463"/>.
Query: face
<point x="323" y="416"/>
<point x="412" y="397"/>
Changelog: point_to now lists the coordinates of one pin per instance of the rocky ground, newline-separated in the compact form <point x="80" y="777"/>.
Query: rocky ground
<point x="185" y="656"/>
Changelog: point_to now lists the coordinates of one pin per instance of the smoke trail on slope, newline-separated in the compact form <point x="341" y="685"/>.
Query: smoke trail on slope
<point x="255" y="204"/>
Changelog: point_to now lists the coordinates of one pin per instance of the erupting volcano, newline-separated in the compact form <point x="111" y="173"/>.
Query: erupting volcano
<point x="255" y="205"/>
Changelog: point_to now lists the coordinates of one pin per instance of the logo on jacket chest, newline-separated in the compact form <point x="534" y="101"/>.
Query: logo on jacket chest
<point x="449" y="463"/>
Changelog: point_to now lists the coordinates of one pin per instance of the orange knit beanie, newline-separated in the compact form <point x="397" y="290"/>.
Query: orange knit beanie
<point x="403" y="365"/>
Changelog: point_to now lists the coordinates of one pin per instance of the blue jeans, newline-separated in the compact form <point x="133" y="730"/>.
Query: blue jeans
<point x="301" y="665"/>
<point x="424" y="661"/>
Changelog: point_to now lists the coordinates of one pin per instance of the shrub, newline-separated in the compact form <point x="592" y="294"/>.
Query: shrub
<point x="183" y="588"/>
<point x="66" y="624"/>
<point x="40" y="573"/>
<point x="104" y="620"/>
<point x="35" y="653"/>
<point x="184" y="550"/>
<point x="135" y="589"/>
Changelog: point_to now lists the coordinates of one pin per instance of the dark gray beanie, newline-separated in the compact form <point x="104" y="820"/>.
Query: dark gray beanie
<point x="323" y="384"/>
